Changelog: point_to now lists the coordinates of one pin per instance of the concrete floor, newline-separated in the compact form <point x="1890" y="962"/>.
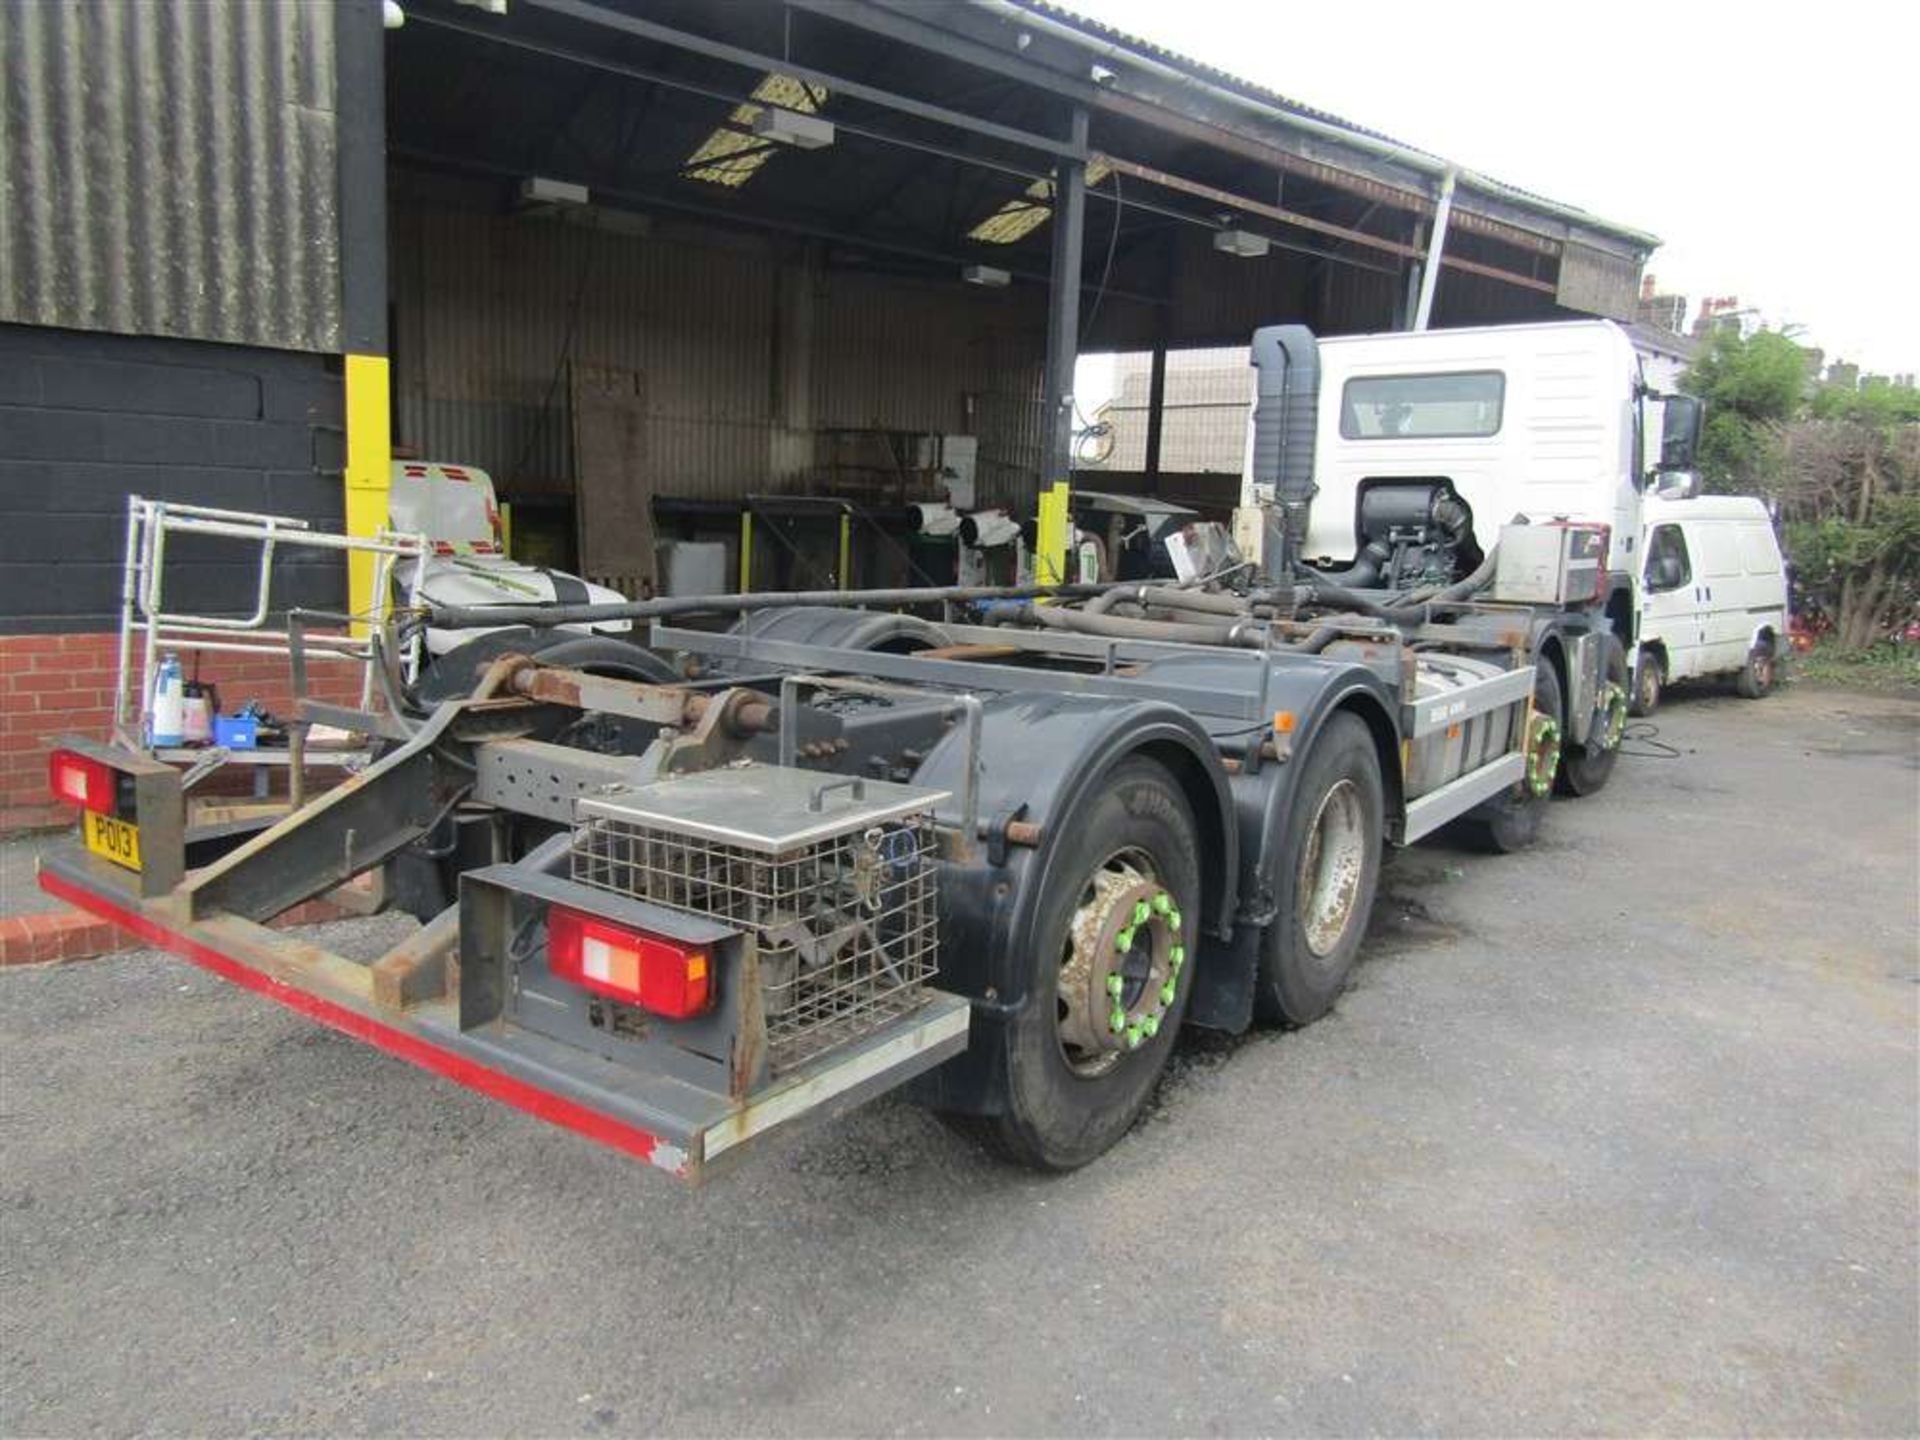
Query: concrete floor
<point x="1615" y="1136"/>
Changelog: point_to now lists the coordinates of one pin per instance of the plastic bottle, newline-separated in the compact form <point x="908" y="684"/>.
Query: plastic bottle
<point x="169" y="703"/>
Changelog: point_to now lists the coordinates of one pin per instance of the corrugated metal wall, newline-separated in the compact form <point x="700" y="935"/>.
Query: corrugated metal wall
<point x="490" y="307"/>
<point x="167" y="167"/>
<point x="899" y="354"/>
<point x="1221" y="299"/>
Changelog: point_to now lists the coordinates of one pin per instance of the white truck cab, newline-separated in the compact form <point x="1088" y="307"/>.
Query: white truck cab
<point x="1714" y="591"/>
<point x="1427" y="443"/>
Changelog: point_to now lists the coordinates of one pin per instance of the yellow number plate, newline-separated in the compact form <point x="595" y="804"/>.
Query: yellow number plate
<point x="112" y="839"/>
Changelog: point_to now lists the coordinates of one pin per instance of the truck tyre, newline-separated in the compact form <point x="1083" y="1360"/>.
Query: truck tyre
<point x="1756" y="677"/>
<point x="1586" y="768"/>
<point x="1649" y="679"/>
<point x="1329" y="867"/>
<point x="1511" y="822"/>
<point x="1108" y="981"/>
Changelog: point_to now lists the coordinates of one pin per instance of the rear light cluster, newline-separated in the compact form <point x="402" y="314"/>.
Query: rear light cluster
<point x="77" y="780"/>
<point x="660" y="976"/>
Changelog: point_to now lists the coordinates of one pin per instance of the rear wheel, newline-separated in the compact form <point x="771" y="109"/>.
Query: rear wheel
<point x="1329" y="867"/>
<point x="1586" y="768"/>
<point x="1108" y="980"/>
<point x="1756" y="677"/>
<point x="1511" y="821"/>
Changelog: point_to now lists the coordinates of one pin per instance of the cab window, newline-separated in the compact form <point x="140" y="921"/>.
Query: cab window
<point x="1429" y="407"/>
<point x="1668" y="566"/>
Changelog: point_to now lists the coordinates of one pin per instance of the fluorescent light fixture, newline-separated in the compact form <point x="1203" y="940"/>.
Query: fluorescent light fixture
<point x="985" y="275"/>
<point x="790" y="127"/>
<point x="539" y="190"/>
<point x="734" y="152"/>
<point x="1019" y="218"/>
<point x="1243" y="243"/>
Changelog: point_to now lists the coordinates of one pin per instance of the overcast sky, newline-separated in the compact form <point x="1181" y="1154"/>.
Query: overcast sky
<point x="1773" y="146"/>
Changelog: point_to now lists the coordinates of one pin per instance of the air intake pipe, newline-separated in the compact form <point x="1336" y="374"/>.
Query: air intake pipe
<point x="1286" y="406"/>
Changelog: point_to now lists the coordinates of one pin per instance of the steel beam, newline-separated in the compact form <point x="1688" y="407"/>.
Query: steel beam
<point x="733" y="54"/>
<point x="1242" y="705"/>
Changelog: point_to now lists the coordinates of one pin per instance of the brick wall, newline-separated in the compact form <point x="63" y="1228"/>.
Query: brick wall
<point x="53" y="685"/>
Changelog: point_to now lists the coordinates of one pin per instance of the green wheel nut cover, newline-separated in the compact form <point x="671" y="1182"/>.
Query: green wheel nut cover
<point x="1123" y="942"/>
<point x="1162" y="903"/>
<point x="1166" y="993"/>
<point x="1173" y="919"/>
<point x="1177" y="956"/>
<point x="1118" y="1020"/>
<point x="1151" y="1025"/>
<point x="1142" y="912"/>
<point x="1115" y="984"/>
<point x="1133" y="1037"/>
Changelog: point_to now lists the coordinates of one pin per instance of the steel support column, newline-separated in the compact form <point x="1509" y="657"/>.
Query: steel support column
<point x="1063" y="304"/>
<point x="1436" y="245"/>
<point x="361" y="85"/>
<point x="1156" y="410"/>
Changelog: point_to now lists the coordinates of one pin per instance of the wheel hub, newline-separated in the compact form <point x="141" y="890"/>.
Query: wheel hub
<point x="1543" y="753"/>
<point x="1612" y="714"/>
<point x="1331" y="867"/>
<point x="1123" y="965"/>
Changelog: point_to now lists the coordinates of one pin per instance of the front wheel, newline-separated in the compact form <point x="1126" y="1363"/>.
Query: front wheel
<point x="1328" y="865"/>
<point x="1757" y="676"/>
<point x="1648" y="682"/>
<point x="1108" y="980"/>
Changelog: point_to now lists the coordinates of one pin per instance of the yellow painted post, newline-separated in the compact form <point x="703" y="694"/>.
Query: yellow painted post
<point x="746" y="550"/>
<point x="369" y="473"/>
<point x="846" y="550"/>
<point x="1052" y="534"/>
<point x="506" y="529"/>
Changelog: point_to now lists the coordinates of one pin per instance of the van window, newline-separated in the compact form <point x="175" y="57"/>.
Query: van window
<point x="1758" y="552"/>
<point x="1668" y="565"/>
<point x="1716" y="550"/>
<point x="1396" y="407"/>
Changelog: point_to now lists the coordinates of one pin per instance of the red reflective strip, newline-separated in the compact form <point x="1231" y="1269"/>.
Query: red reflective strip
<point x="453" y="472"/>
<point x="543" y="1104"/>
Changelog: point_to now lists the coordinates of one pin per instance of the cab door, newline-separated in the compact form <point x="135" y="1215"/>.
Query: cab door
<point x="1670" y="610"/>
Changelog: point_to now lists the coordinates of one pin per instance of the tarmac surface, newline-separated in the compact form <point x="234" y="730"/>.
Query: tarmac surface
<point x="1618" y="1135"/>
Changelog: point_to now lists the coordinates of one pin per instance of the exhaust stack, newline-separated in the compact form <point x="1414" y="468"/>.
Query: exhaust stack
<point x="1285" y="412"/>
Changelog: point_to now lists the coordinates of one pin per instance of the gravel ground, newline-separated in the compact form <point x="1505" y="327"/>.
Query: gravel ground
<point x="19" y="895"/>
<point x="1636" y="1156"/>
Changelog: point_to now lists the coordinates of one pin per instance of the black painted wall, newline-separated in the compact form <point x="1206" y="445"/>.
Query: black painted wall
<point x="87" y="419"/>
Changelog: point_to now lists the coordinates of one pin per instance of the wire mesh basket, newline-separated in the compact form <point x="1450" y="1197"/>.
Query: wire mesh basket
<point x="844" y="914"/>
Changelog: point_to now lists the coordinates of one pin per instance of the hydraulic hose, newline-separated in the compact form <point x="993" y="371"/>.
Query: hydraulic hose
<point x="1054" y="617"/>
<point x="1167" y="597"/>
<point x="468" y="617"/>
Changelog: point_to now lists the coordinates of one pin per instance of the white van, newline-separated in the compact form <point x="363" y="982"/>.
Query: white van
<point x="1713" y="596"/>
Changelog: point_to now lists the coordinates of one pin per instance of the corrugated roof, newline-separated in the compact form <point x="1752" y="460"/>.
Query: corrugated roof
<point x="1238" y="85"/>
<point x="1200" y="70"/>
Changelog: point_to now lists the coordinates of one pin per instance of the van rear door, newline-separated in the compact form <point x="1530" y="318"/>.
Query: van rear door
<point x="1723" y="585"/>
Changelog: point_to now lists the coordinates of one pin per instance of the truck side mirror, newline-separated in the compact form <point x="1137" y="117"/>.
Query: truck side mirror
<point x="1680" y="432"/>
